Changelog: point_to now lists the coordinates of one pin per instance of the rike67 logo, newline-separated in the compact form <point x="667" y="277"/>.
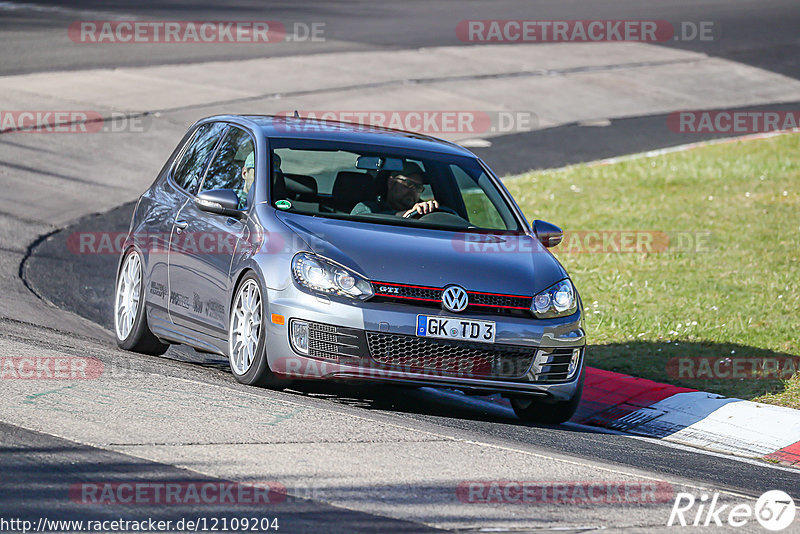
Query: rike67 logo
<point x="774" y="510"/>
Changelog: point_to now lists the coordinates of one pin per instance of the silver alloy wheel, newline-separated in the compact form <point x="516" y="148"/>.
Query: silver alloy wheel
<point x="245" y="327"/>
<point x="126" y="303"/>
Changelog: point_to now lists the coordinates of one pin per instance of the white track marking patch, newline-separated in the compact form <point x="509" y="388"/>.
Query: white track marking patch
<point x="711" y="421"/>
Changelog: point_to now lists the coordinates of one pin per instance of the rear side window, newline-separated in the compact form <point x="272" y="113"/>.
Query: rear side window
<point x="233" y="166"/>
<point x="189" y="170"/>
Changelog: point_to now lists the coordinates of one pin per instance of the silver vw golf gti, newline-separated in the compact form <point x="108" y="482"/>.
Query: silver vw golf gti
<point x="304" y="249"/>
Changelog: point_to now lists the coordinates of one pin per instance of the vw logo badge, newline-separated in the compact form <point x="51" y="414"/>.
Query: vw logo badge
<point x="454" y="299"/>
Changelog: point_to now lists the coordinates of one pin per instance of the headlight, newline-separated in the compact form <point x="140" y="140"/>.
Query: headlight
<point x="323" y="276"/>
<point x="559" y="300"/>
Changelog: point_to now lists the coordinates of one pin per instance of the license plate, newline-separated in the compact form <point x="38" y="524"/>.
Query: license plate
<point x="453" y="328"/>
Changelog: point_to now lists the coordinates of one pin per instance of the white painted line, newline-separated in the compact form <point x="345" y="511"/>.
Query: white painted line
<point x="475" y="143"/>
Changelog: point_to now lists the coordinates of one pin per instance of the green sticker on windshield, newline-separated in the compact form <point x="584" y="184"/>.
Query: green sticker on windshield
<point x="283" y="204"/>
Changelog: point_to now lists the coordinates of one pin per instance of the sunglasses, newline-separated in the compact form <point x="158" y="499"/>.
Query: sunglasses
<point x="411" y="184"/>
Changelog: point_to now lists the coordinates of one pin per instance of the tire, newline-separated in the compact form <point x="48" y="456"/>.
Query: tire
<point x="249" y="362"/>
<point x="130" y="320"/>
<point x="553" y="413"/>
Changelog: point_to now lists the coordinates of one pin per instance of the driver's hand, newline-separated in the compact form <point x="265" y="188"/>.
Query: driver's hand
<point x="423" y="208"/>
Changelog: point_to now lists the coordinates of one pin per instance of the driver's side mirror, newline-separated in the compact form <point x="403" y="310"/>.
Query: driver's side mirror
<point x="219" y="201"/>
<point x="548" y="234"/>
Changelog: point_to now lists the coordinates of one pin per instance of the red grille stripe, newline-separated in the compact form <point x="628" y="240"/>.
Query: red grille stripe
<point x="408" y="298"/>
<point x="499" y="295"/>
<point x="499" y="306"/>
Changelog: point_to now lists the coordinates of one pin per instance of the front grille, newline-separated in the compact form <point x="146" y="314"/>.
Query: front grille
<point x="438" y="357"/>
<point x="458" y="358"/>
<point x="479" y="302"/>
<point x="491" y="299"/>
<point x="402" y="291"/>
<point x="552" y="364"/>
<point x="337" y="343"/>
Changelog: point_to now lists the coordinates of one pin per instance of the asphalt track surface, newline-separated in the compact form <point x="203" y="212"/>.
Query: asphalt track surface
<point x="38" y="468"/>
<point x="759" y="33"/>
<point x="50" y="466"/>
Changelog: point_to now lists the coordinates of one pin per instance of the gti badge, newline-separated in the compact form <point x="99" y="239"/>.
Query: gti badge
<point x="454" y="299"/>
<point x="389" y="290"/>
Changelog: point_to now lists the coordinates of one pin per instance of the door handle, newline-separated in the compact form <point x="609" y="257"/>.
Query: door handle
<point x="180" y="225"/>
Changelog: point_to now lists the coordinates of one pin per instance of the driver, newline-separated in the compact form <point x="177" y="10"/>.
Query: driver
<point x="402" y="195"/>
<point x="248" y="173"/>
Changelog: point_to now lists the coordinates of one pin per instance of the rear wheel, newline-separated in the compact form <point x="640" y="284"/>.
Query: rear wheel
<point x="130" y="320"/>
<point x="247" y="336"/>
<point x="538" y="411"/>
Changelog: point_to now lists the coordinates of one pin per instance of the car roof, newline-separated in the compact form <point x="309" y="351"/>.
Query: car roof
<point x="327" y="130"/>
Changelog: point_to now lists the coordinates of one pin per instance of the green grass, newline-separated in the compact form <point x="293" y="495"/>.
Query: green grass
<point x="739" y="295"/>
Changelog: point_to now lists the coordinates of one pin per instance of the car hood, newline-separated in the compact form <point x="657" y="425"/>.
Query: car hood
<point x="517" y="265"/>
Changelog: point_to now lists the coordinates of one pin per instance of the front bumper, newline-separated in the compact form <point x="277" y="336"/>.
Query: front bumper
<point x="376" y="341"/>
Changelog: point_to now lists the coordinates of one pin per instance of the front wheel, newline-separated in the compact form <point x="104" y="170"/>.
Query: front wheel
<point x="130" y="320"/>
<point x="247" y="336"/>
<point x="537" y="411"/>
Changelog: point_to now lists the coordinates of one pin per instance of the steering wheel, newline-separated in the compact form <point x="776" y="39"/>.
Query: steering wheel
<point x="417" y="215"/>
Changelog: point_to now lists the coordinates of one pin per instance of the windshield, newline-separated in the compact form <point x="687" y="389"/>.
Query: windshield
<point x="388" y="186"/>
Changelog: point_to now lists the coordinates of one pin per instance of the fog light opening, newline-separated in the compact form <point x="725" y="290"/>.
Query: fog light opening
<point x="573" y="362"/>
<point x="298" y="335"/>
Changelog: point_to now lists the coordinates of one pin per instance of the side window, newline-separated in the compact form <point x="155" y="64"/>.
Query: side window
<point x="481" y="211"/>
<point x="233" y="166"/>
<point x="189" y="170"/>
